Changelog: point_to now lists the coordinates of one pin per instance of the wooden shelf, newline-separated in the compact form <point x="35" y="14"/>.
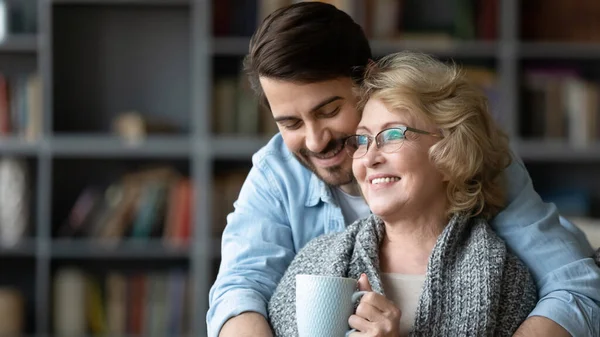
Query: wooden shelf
<point x="19" y="43"/>
<point x="18" y="146"/>
<point x="86" y="145"/>
<point x="545" y="50"/>
<point x="125" y="2"/>
<point x="451" y="48"/>
<point x="561" y="151"/>
<point x="126" y="249"/>
<point x="26" y="248"/>
<point x="236" y="147"/>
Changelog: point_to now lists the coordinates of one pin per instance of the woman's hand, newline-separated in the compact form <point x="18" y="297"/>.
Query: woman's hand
<point x="376" y="316"/>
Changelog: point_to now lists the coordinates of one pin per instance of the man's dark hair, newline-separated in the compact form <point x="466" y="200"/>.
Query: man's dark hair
<point x="306" y="42"/>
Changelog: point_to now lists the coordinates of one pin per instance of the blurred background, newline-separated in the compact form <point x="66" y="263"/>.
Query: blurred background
<point x="126" y="131"/>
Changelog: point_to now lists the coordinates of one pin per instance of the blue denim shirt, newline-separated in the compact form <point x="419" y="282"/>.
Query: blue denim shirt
<point x="282" y="206"/>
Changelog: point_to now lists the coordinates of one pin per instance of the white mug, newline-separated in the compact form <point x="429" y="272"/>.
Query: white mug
<point x="324" y="304"/>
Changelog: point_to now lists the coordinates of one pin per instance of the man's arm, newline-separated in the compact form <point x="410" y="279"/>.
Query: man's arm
<point x="541" y="327"/>
<point x="248" y="324"/>
<point x="257" y="247"/>
<point x="557" y="254"/>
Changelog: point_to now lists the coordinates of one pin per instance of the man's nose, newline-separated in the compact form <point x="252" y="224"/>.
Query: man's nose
<point x="317" y="138"/>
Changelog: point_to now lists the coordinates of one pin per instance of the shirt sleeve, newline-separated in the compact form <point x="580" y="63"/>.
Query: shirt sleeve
<point x="256" y="248"/>
<point x="557" y="253"/>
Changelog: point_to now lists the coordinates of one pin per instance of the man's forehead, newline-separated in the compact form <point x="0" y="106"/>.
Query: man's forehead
<point x="301" y="105"/>
<point x="289" y="97"/>
<point x="306" y="85"/>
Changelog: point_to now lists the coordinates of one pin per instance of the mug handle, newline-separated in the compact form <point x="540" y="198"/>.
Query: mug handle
<point x="355" y="298"/>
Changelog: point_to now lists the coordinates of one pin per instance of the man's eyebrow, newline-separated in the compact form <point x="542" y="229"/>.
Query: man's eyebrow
<point x="314" y="108"/>
<point x="285" y="118"/>
<point x="325" y="102"/>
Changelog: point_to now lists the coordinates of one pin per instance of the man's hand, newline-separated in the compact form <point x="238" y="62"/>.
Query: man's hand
<point x="247" y="324"/>
<point x="538" y="326"/>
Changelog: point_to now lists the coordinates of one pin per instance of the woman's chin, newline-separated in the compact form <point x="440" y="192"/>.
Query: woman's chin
<point x="385" y="210"/>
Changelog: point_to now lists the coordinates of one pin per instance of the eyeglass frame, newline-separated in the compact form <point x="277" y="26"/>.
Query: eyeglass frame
<point x="370" y="138"/>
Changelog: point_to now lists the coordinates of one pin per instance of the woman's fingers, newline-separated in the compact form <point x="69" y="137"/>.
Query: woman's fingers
<point x="369" y="312"/>
<point x="378" y="301"/>
<point x="363" y="283"/>
<point x="375" y="314"/>
<point x="359" y="323"/>
<point x="357" y="334"/>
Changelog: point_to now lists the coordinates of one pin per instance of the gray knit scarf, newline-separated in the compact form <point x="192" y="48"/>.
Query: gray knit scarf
<point x="473" y="286"/>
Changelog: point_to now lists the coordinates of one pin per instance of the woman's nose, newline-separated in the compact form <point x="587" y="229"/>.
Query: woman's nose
<point x="373" y="157"/>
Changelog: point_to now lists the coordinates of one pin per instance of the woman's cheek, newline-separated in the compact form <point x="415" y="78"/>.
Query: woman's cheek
<point x="357" y="171"/>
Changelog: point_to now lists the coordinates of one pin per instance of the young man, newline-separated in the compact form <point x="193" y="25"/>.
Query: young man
<point x="302" y="63"/>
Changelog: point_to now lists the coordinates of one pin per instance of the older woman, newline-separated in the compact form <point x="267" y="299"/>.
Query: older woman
<point x="429" y="160"/>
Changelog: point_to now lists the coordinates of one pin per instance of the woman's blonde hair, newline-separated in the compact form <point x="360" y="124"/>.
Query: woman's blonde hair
<point x="474" y="151"/>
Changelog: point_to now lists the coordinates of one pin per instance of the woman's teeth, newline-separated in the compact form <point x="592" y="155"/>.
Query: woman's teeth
<point x="384" y="180"/>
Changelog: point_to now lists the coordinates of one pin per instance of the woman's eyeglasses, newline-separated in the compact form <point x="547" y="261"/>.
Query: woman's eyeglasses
<point x="388" y="141"/>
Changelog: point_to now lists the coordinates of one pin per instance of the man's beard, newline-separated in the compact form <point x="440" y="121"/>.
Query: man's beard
<point x="336" y="175"/>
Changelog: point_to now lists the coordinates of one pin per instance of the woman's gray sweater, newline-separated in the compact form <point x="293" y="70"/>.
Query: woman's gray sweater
<point x="473" y="285"/>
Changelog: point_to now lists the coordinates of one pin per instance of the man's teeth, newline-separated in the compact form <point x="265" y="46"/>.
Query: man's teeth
<point x="333" y="154"/>
<point x="384" y="180"/>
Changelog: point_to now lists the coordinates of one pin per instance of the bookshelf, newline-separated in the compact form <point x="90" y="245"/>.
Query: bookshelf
<point x="558" y="50"/>
<point x="161" y="57"/>
<point x="22" y="43"/>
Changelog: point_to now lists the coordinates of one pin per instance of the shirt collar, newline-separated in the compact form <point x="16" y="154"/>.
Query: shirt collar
<point x="318" y="191"/>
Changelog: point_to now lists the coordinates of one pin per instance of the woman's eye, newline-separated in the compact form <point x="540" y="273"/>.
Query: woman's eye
<point x="394" y="135"/>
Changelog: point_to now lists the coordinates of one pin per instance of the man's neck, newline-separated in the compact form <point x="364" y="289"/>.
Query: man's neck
<point x="352" y="189"/>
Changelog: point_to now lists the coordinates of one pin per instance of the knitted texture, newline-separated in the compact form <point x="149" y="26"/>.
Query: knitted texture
<point x="473" y="285"/>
